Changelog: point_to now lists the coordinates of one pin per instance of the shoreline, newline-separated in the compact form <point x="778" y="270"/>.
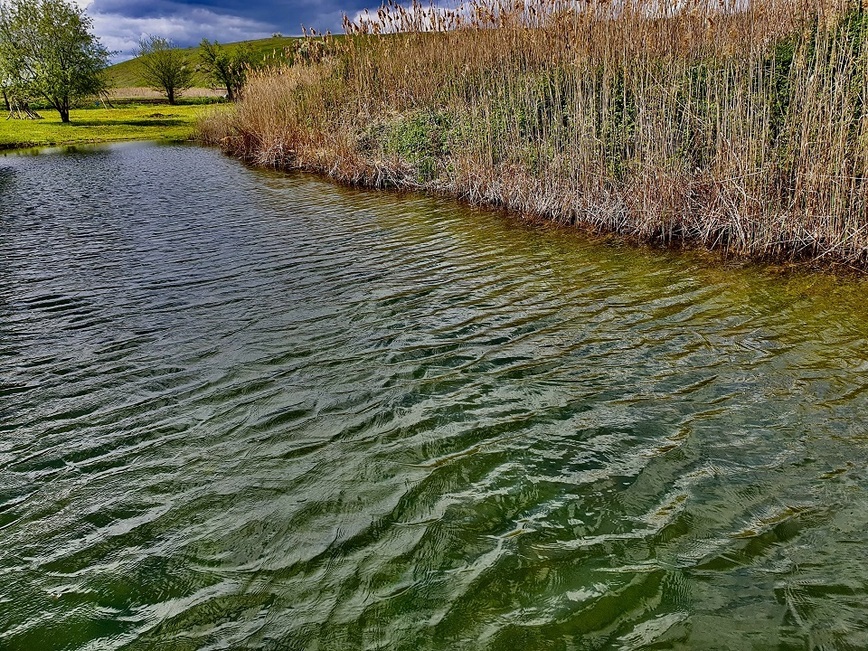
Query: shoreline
<point x="24" y="146"/>
<point x="379" y="178"/>
<point x="742" y="133"/>
<point x="400" y="183"/>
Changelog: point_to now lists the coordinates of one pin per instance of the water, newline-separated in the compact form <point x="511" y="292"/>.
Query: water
<point x="242" y="410"/>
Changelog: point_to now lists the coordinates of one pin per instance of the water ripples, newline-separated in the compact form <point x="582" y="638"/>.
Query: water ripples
<point x="244" y="410"/>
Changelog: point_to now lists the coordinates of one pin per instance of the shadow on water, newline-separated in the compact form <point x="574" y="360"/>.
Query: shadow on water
<point x="261" y="411"/>
<point x="89" y="149"/>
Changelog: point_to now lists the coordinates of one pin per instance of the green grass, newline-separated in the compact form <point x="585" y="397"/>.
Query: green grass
<point x="144" y="122"/>
<point x="128" y="73"/>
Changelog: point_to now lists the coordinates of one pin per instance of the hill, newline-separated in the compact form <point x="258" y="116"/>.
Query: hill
<point x="127" y="74"/>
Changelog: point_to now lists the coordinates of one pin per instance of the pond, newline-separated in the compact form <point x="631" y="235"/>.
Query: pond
<point x="247" y="410"/>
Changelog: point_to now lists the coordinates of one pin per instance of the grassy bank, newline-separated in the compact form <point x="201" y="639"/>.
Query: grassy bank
<point x="129" y="122"/>
<point x="740" y="129"/>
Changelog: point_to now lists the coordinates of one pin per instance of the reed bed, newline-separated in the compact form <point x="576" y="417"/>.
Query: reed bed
<point x="734" y="125"/>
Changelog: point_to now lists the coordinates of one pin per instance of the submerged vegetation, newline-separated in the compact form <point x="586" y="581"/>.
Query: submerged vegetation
<point x="734" y="125"/>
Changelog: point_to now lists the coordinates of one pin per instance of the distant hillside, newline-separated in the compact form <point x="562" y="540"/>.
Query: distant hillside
<point x="127" y="74"/>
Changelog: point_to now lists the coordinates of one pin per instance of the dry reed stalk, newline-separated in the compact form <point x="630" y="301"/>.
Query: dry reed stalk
<point x="738" y="126"/>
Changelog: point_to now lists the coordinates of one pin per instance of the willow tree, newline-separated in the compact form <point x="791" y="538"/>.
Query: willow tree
<point x="164" y="67"/>
<point x="47" y="50"/>
<point x="227" y="67"/>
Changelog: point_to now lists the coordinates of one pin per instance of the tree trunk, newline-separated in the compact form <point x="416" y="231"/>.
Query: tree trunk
<point x="171" y="93"/>
<point x="6" y="101"/>
<point x="62" y="106"/>
<point x="229" y="94"/>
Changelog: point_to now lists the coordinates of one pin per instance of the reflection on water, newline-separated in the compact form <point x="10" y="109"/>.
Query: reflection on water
<point x="246" y="410"/>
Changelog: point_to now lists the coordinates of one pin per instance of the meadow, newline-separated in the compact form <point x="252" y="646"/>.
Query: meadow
<point x="734" y="126"/>
<point x="88" y="125"/>
<point x="138" y="112"/>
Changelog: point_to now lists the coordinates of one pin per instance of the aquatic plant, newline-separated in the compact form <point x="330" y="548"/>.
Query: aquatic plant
<point x="734" y="125"/>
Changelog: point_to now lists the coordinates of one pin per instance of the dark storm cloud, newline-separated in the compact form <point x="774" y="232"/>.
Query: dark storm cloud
<point x="120" y="24"/>
<point x="288" y="14"/>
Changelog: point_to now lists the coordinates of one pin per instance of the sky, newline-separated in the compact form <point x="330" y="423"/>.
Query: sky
<point x="121" y="24"/>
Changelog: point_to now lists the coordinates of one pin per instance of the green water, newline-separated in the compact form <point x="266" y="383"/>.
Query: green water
<point x="241" y="410"/>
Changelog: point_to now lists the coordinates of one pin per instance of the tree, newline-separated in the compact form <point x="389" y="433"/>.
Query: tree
<point x="16" y="95"/>
<point x="165" y="67"/>
<point x="4" y="79"/>
<point x="4" y="82"/>
<point x="47" y="51"/>
<point x="226" y="68"/>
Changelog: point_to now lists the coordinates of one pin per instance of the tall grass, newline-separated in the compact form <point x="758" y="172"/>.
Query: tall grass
<point x="734" y="124"/>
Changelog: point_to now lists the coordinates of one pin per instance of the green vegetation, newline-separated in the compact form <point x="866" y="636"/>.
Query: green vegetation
<point x="227" y="67"/>
<point x="103" y="124"/>
<point x="164" y="67"/>
<point x="49" y="60"/>
<point x="736" y="126"/>
<point x="47" y="52"/>
<point x="128" y="74"/>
